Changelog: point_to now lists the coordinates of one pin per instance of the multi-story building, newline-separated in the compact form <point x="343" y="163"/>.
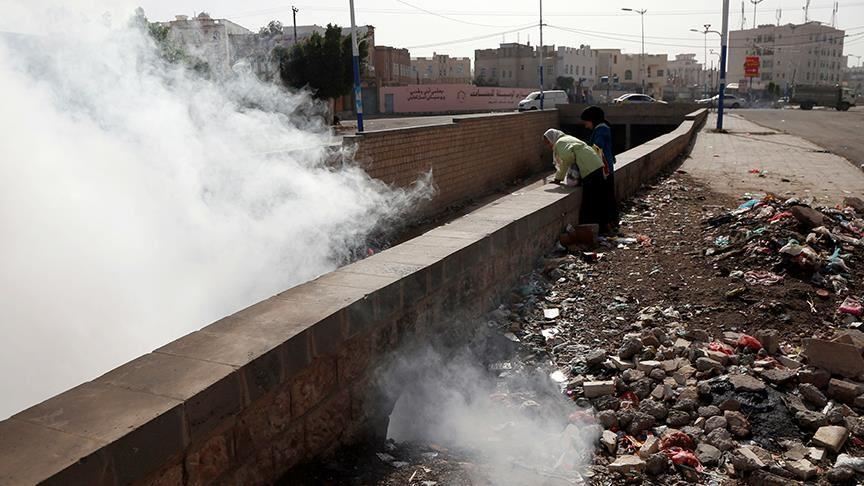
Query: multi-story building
<point x="510" y="65"/>
<point x="577" y="63"/>
<point x="441" y="69"/>
<point x="517" y="65"/>
<point x="810" y="53"/>
<point x="685" y="71"/>
<point x="392" y="66"/>
<point x="854" y="78"/>
<point x="208" y="39"/>
<point x="627" y="71"/>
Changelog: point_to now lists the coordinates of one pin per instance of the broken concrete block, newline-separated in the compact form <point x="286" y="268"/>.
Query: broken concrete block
<point x="844" y="390"/>
<point x="745" y="459"/>
<point x="802" y="469"/>
<point x="840" y="358"/>
<point x="789" y="362"/>
<point x="594" y="389"/>
<point x="812" y="394"/>
<point x="770" y="340"/>
<point x="681" y="345"/>
<point x="707" y="364"/>
<point x="627" y="464"/>
<point x="596" y="357"/>
<point x="747" y="383"/>
<point x="609" y="440"/>
<point x="816" y="377"/>
<point x="778" y="376"/>
<point x="650" y="446"/>
<point x="621" y="364"/>
<point x="648" y="366"/>
<point x="831" y="437"/>
<point x="816" y="454"/>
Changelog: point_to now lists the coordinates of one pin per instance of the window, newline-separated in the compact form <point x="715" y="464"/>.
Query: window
<point x="615" y="59"/>
<point x="548" y="69"/>
<point x="659" y="73"/>
<point x="583" y="70"/>
<point x="522" y="68"/>
<point x="628" y="75"/>
<point x="591" y="71"/>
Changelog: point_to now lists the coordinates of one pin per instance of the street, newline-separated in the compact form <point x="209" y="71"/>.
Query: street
<point x="837" y="132"/>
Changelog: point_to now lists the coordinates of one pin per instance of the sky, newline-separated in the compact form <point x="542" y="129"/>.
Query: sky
<point x="457" y="27"/>
<point x="425" y="26"/>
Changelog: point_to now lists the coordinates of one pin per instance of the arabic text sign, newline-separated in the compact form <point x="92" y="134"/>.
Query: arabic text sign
<point x="442" y="98"/>
<point x="751" y="67"/>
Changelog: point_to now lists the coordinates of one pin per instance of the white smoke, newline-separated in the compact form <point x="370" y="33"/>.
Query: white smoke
<point x="139" y="202"/>
<point x="517" y="427"/>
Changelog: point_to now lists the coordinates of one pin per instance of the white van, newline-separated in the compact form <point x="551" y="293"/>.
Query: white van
<point x="550" y="99"/>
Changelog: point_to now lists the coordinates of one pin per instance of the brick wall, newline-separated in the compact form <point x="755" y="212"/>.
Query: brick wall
<point x="469" y="158"/>
<point x="249" y="397"/>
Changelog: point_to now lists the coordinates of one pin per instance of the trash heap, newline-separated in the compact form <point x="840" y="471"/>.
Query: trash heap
<point x="765" y="241"/>
<point x="718" y="407"/>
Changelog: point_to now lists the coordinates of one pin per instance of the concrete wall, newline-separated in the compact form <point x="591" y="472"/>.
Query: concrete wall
<point x="248" y="397"/>
<point x="469" y="158"/>
<point x="449" y="98"/>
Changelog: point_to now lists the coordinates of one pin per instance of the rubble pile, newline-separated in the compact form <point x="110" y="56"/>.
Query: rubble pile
<point x="764" y="241"/>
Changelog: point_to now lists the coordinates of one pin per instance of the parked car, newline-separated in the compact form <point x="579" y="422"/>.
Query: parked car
<point x="729" y="101"/>
<point x="550" y="99"/>
<point x="636" y="98"/>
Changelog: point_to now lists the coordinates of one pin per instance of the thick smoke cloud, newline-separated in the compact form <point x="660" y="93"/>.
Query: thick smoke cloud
<point x="139" y="202"/>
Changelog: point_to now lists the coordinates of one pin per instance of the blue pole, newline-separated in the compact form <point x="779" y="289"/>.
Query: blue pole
<point x="358" y="92"/>
<point x="541" y="56"/>
<point x="724" y="47"/>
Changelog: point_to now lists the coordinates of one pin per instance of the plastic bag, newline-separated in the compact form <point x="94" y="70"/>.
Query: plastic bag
<point x="749" y="342"/>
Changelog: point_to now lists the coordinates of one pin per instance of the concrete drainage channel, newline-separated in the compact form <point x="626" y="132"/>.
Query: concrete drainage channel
<point x="297" y="376"/>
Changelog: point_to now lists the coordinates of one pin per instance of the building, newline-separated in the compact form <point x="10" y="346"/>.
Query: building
<point x="625" y="73"/>
<point x="571" y="62"/>
<point x="810" y="53"/>
<point x="392" y="66"/>
<point x="854" y="78"/>
<point x="511" y="65"/>
<point x="208" y="39"/>
<point x="685" y="71"/>
<point x="441" y="69"/>
<point x="517" y="66"/>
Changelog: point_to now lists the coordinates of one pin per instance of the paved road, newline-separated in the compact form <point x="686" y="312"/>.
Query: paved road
<point x="841" y="133"/>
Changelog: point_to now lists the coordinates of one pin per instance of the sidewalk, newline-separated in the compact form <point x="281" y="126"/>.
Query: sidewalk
<point x="790" y="165"/>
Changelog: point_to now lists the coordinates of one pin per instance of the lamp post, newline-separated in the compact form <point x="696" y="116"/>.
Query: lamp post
<point x="705" y="66"/>
<point x="642" y="55"/>
<point x="355" y="51"/>
<point x="715" y="53"/>
<point x="542" y="58"/>
<point x="724" y="37"/>
<point x="755" y="2"/>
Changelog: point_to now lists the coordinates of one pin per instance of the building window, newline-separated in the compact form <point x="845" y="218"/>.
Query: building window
<point x="522" y="68"/>
<point x="628" y="75"/>
<point x="591" y="71"/>
<point x="615" y="59"/>
<point x="583" y="70"/>
<point x="659" y="73"/>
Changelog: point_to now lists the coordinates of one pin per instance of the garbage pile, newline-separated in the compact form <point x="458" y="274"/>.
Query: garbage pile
<point x="765" y="241"/>
<point x="718" y="407"/>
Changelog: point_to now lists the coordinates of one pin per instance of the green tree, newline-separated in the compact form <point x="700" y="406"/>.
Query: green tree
<point x="321" y="63"/>
<point x="274" y="27"/>
<point x="565" y="83"/>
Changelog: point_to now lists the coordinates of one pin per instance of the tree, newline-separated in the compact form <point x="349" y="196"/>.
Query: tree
<point x="565" y="83"/>
<point x="321" y="63"/>
<point x="274" y="27"/>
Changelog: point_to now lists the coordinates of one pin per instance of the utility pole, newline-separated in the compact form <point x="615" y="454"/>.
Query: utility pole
<point x="807" y="11"/>
<point x="755" y="2"/>
<point x="542" y="60"/>
<point x="743" y="18"/>
<point x="294" y="11"/>
<point x="779" y="15"/>
<point x="724" y="37"/>
<point x="355" y="50"/>
<point x="705" y="66"/>
<point x="642" y="55"/>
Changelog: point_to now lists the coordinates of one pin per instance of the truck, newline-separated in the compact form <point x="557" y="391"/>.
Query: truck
<point x="836" y="97"/>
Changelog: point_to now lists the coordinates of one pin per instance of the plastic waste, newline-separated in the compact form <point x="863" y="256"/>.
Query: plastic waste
<point x="779" y="216"/>
<point x="762" y="277"/>
<point x="852" y="306"/>
<point x="836" y="264"/>
<point x="721" y="241"/>
<point x="845" y="460"/>
<point x="680" y="457"/>
<point x="715" y="346"/>
<point x="749" y="342"/>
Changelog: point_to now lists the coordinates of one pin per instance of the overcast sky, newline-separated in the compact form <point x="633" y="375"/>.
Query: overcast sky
<point x="427" y="26"/>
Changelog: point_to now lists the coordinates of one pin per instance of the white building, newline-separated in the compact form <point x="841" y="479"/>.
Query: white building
<point x="810" y="53"/>
<point x="208" y="39"/>
<point x="577" y="63"/>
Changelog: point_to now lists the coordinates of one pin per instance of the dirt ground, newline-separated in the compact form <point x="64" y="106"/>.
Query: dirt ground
<point x="600" y="298"/>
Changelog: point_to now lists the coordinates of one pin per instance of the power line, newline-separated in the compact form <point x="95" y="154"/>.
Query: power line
<point x="450" y="18"/>
<point x="469" y="39"/>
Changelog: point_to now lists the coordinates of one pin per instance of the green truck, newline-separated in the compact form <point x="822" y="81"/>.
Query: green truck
<point x="836" y="97"/>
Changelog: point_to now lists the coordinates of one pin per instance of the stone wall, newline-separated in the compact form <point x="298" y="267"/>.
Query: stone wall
<point x="248" y="397"/>
<point x="469" y="158"/>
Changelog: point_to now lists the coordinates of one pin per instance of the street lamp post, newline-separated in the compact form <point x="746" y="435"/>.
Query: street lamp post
<point x="755" y="2"/>
<point x="724" y="37"/>
<point x="355" y="51"/>
<point x="542" y="59"/>
<point x="642" y="55"/>
<point x="705" y="66"/>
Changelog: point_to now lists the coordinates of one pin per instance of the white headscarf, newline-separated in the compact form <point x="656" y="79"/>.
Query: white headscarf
<point x="553" y="135"/>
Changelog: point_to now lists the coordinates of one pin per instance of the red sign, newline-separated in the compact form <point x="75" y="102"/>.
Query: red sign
<point x="751" y="67"/>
